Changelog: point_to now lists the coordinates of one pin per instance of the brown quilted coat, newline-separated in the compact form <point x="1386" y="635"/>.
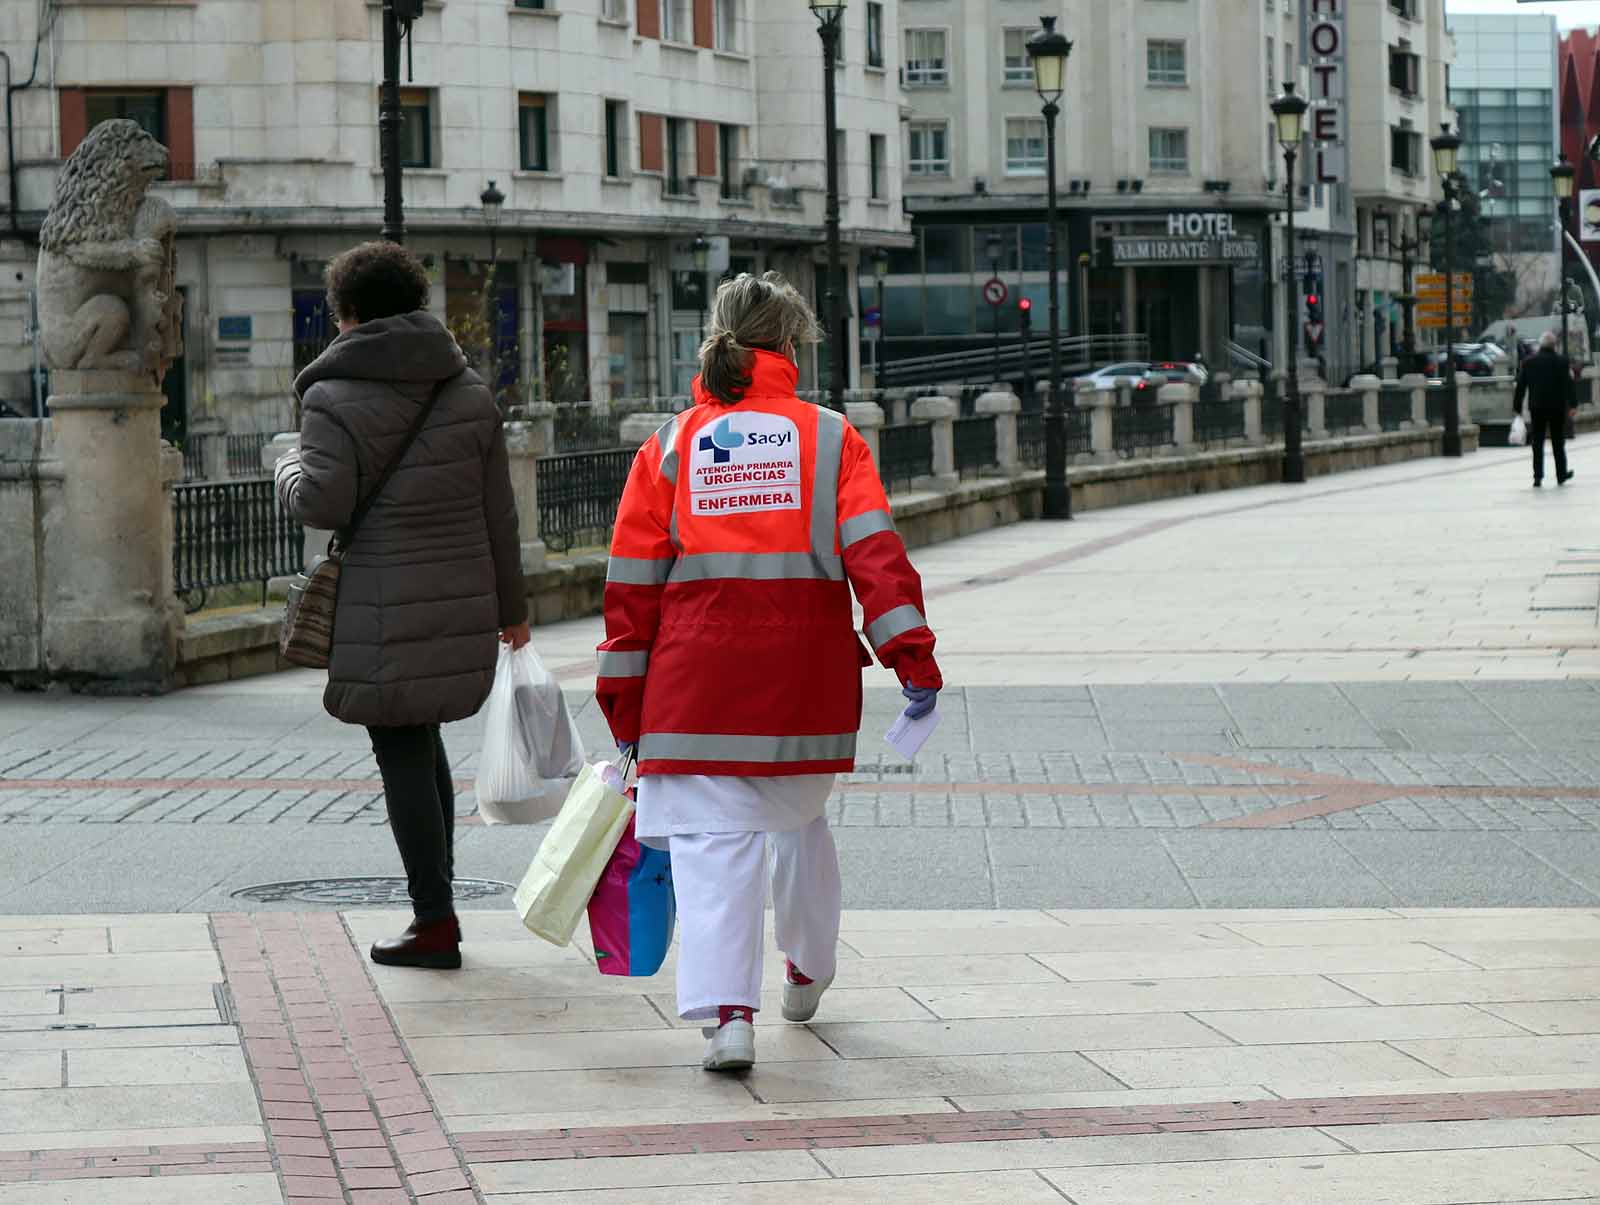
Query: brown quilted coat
<point x="435" y="571"/>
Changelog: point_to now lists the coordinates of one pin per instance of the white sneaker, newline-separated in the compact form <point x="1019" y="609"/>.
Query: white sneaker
<point x="800" y="1000"/>
<point x="732" y="1048"/>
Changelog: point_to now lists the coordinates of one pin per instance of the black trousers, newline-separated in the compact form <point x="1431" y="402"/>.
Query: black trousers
<point x="1553" y="422"/>
<point x="422" y="813"/>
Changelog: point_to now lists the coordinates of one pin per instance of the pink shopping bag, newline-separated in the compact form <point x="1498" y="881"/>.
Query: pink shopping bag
<point x="633" y="910"/>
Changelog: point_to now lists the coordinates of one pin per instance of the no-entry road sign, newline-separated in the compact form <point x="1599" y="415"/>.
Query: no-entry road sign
<point x="995" y="291"/>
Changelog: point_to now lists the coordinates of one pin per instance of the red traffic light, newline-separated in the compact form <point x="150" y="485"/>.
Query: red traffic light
<point x="1024" y="305"/>
<point x="1312" y="299"/>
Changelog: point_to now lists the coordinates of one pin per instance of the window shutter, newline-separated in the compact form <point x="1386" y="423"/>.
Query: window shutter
<point x="649" y="18"/>
<point x="74" y="119"/>
<point x="704" y="24"/>
<point x="652" y="137"/>
<point x="706" y="149"/>
<point x="180" y="133"/>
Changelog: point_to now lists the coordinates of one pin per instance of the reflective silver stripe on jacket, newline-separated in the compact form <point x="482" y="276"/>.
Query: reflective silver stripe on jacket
<point x="624" y="665"/>
<point x="638" y="571"/>
<point x="894" y="623"/>
<point x="713" y="747"/>
<point x="752" y="566"/>
<point x="874" y="522"/>
<point x="667" y="444"/>
<point x="825" y="492"/>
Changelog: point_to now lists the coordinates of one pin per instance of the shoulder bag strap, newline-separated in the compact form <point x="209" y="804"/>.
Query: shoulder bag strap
<point x="349" y="532"/>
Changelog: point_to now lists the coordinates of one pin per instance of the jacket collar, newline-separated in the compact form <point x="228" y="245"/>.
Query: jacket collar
<point x="404" y="349"/>
<point x="772" y="374"/>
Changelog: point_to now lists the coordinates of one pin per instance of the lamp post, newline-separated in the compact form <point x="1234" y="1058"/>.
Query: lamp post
<point x="1289" y="113"/>
<point x="1048" y="50"/>
<point x="880" y="271"/>
<point x="994" y="248"/>
<point x="493" y="202"/>
<point x="1561" y="183"/>
<point x="702" y="260"/>
<point x="830" y="23"/>
<point x="1446" y="153"/>
<point x="397" y="18"/>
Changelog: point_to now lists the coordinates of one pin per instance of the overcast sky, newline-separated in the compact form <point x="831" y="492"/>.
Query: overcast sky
<point x="1567" y="12"/>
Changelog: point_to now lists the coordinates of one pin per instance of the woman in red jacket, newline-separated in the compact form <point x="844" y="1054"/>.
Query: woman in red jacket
<point x="731" y="661"/>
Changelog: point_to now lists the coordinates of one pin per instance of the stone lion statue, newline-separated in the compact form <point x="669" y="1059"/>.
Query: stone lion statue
<point x="108" y="259"/>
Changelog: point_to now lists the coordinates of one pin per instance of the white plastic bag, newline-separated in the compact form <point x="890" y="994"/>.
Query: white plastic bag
<point x="1519" y="432"/>
<point x="531" y="748"/>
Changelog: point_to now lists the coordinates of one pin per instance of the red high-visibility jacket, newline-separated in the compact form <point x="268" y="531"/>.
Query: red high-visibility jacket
<point x="730" y="639"/>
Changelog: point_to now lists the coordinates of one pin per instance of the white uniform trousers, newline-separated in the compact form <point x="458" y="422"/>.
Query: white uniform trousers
<point x="720" y="880"/>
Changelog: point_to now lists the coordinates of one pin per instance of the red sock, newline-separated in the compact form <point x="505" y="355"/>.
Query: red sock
<point x="796" y="978"/>
<point x="735" y="1012"/>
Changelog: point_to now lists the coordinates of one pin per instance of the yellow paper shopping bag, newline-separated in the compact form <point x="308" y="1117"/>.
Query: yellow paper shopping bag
<point x="555" y="892"/>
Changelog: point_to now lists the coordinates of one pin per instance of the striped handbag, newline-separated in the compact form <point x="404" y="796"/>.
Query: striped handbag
<point x="307" y="636"/>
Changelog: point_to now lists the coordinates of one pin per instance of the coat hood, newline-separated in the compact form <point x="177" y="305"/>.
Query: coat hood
<point x="413" y="347"/>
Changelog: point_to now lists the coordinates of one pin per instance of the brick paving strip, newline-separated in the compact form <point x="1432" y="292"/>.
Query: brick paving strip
<point x="347" y="1116"/>
<point x="121" y="1162"/>
<point x="522" y="1146"/>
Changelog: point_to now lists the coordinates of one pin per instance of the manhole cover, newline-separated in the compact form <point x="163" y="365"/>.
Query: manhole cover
<point x="374" y="891"/>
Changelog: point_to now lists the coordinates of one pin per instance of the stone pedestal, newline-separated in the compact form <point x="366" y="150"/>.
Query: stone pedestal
<point x="1370" y="387"/>
<point x="941" y="412"/>
<point x="110" y="616"/>
<point x="1005" y="406"/>
<point x="1391" y="368"/>
<point x="1314" y="398"/>
<point x="526" y="441"/>
<point x="867" y="418"/>
<point x="637" y="428"/>
<point x="1181" y="398"/>
<point x="1250" y="391"/>
<point x="1101" y="404"/>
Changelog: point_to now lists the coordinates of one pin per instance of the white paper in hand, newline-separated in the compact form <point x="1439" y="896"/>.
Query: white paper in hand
<point x="907" y="736"/>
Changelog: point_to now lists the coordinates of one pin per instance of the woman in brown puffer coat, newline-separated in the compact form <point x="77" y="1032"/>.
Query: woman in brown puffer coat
<point x="434" y="575"/>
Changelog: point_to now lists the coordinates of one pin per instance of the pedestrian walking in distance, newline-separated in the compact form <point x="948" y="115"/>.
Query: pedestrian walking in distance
<point x="1546" y="380"/>
<point x="731" y="664"/>
<point x="432" y="576"/>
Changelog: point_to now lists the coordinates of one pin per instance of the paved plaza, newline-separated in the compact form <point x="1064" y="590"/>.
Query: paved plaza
<point x="1257" y="861"/>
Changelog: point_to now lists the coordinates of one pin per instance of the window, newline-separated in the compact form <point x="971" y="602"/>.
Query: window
<point x="1169" y="150"/>
<point x="1272" y="67"/>
<point x="616" y="125"/>
<point x="1404" y="8"/>
<point x="614" y="10"/>
<point x="166" y="114"/>
<point x="1405" y="150"/>
<point x="732" y="169"/>
<point x="680" y="145"/>
<point x="930" y="148"/>
<point x="926" y="63"/>
<point x="727" y="25"/>
<point x="1166" y="63"/>
<point x="416" y="127"/>
<point x="1405" y="70"/>
<point x="1025" y="146"/>
<point x="1289" y="73"/>
<point x="533" y="112"/>
<point x="536" y="4"/>
<point x="878" y="166"/>
<point x="1018" y="70"/>
<point x="677" y="20"/>
<point x="874" y="35"/>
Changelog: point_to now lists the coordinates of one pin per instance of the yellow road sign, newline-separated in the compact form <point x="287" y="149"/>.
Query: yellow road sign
<point x="1436" y="321"/>
<point x="1435" y="280"/>
<point x="1425" y="295"/>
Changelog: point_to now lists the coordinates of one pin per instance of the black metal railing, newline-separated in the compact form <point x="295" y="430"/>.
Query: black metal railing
<point x="1142" y="426"/>
<point x="977" y="444"/>
<point x="1394" y="408"/>
<point x="1344" y="410"/>
<point x="194" y="458"/>
<point x="1434" y="399"/>
<point x="904" y="454"/>
<point x="244" y="454"/>
<point x="578" y="497"/>
<point x="231" y="533"/>
<point x="1031" y="435"/>
<point x="1218" y="420"/>
<point x="1272" y="412"/>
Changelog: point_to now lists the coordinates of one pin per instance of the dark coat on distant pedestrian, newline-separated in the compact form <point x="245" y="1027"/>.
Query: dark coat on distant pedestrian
<point x="1546" y="378"/>
<point x="435" y="571"/>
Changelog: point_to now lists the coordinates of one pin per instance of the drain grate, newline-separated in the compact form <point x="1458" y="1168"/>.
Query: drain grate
<point x="369" y="891"/>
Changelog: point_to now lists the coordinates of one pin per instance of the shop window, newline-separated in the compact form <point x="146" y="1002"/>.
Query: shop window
<point x="1169" y="150"/>
<point x="927" y="61"/>
<point x="929" y="148"/>
<point x="947" y="249"/>
<point x="533" y="110"/>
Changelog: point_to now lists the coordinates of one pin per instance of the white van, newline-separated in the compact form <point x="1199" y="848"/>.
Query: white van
<point x="1529" y="328"/>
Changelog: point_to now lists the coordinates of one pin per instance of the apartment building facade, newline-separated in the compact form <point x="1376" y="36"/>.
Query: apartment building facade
<point x="1165" y="132"/>
<point x="618" y="131"/>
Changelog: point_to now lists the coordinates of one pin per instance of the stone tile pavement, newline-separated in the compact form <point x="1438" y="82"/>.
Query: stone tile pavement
<point x="1439" y="1056"/>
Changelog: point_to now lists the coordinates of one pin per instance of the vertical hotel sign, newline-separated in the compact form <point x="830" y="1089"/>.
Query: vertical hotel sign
<point x="1325" y="44"/>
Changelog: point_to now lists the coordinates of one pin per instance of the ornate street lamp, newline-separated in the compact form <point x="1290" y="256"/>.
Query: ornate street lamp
<point x="702" y="260"/>
<point x="493" y="202"/>
<point x="1049" y="50"/>
<point x="1446" y="155"/>
<point x="1561" y="176"/>
<point x="1289" y="114"/>
<point x="398" y="16"/>
<point x="830" y="27"/>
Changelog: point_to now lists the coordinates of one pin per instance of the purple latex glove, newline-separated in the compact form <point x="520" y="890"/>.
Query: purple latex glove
<point x="923" y="699"/>
<point x="628" y="749"/>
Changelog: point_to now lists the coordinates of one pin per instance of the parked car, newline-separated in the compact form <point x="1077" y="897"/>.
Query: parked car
<point x="1181" y="372"/>
<point x="1475" y="363"/>
<point x="1110" y="376"/>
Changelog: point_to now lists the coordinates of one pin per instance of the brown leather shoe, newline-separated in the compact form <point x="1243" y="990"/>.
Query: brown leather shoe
<point x="435" y="946"/>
